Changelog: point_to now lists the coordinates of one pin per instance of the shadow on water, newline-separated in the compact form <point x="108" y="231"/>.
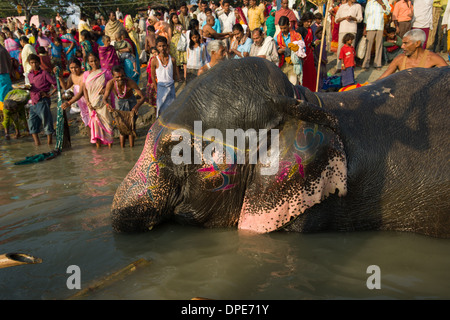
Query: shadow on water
<point x="227" y="264"/>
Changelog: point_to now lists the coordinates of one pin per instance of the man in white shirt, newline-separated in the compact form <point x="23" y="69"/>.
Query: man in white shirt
<point x="263" y="47"/>
<point x="119" y="14"/>
<point x="374" y="20"/>
<point x="245" y="6"/>
<point x="26" y="51"/>
<point x="201" y="15"/>
<point x="348" y="16"/>
<point x="423" y="17"/>
<point x="227" y="17"/>
<point x="150" y="11"/>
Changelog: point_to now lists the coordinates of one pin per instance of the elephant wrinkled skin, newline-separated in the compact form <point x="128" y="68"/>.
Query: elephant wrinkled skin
<point x="373" y="158"/>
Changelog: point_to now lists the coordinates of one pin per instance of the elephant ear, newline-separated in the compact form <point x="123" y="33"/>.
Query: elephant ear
<point x="311" y="165"/>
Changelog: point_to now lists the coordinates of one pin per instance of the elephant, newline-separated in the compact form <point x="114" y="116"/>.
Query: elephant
<point x="372" y="158"/>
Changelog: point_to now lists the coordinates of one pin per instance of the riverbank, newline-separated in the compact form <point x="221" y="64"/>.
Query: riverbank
<point x="147" y="113"/>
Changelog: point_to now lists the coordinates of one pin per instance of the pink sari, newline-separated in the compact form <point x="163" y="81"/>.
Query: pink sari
<point x="108" y="57"/>
<point x="101" y="121"/>
<point x="84" y="110"/>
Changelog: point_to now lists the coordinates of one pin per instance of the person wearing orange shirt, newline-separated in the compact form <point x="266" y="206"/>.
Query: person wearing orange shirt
<point x="402" y="15"/>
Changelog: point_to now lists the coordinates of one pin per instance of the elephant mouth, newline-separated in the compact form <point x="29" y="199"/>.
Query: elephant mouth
<point x="132" y="219"/>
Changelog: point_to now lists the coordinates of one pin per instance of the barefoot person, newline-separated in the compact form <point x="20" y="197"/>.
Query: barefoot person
<point x="164" y="69"/>
<point x="414" y="55"/>
<point x="76" y="82"/>
<point x="41" y="83"/>
<point x="101" y="120"/>
<point x="124" y="89"/>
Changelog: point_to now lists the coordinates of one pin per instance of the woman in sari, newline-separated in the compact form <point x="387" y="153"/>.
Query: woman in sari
<point x="76" y="81"/>
<point x="12" y="46"/>
<point x="43" y="40"/>
<point x="309" y="68"/>
<point x="101" y="120"/>
<point x="107" y="54"/>
<point x="128" y="64"/>
<point x="87" y="46"/>
<point x="69" y="43"/>
<point x="240" y="18"/>
<point x="129" y="26"/>
<point x="175" y="31"/>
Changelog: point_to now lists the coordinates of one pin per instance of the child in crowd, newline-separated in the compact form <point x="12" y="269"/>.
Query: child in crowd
<point x="120" y="44"/>
<point x="107" y="54"/>
<point x="46" y="60"/>
<point x="195" y="54"/>
<point x="151" y="90"/>
<point x="56" y="52"/>
<point x="392" y="45"/>
<point x="76" y="82"/>
<point x="347" y="56"/>
<point x="41" y="82"/>
<point x="150" y="40"/>
<point x="79" y="56"/>
<point x="318" y="17"/>
<point x="323" y="60"/>
<point x="87" y="46"/>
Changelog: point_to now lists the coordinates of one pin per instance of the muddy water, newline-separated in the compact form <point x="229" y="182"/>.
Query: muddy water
<point x="58" y="211"/>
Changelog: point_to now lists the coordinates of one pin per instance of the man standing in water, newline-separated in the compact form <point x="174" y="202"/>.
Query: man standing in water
<point x="414" y="55"/>
<point x="124" y="89"/>
<point x="41" y="83"/>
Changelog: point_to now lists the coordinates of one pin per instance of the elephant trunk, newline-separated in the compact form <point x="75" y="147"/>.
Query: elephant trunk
<point x="142" y="199"/>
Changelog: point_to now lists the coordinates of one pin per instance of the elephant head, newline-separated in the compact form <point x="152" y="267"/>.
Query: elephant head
<point x="234" y="149"/>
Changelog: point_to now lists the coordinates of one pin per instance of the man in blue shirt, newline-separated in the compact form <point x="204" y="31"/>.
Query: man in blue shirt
<point x="216" y="26"/>
<point x="241" y="44"/>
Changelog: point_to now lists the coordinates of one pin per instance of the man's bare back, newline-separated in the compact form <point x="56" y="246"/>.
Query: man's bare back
<point x="422" y="59"/>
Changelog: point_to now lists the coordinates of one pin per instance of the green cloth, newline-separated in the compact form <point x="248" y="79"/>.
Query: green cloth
<point x="17" y="117"/>
<point x="270" y="24"/>
<point x="38" y="158"/>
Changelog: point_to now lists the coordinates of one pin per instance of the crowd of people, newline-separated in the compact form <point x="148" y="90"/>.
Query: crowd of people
<point x="100" y="59"/>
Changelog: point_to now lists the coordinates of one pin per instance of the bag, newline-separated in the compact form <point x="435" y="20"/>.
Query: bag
<point x="182" y="43"/>
<point x="18" y="95"/>
<point x="392" y="48"/>
<point x="361" y="48"/>
<point x="143" y="57"/>
<point x="297" y="62"/>
<point x="333" y="82"/>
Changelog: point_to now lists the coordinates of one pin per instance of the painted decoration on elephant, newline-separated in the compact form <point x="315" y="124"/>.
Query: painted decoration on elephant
<point x="312" y="166"/>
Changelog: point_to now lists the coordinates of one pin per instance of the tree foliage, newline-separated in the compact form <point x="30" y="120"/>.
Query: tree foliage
<point x="49" y="8"/>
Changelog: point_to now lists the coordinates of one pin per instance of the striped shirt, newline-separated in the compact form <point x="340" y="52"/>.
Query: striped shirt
<point x="374" y="15"/>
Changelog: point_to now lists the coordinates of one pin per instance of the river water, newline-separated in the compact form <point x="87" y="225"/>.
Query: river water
<point x="58" y="210"/>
